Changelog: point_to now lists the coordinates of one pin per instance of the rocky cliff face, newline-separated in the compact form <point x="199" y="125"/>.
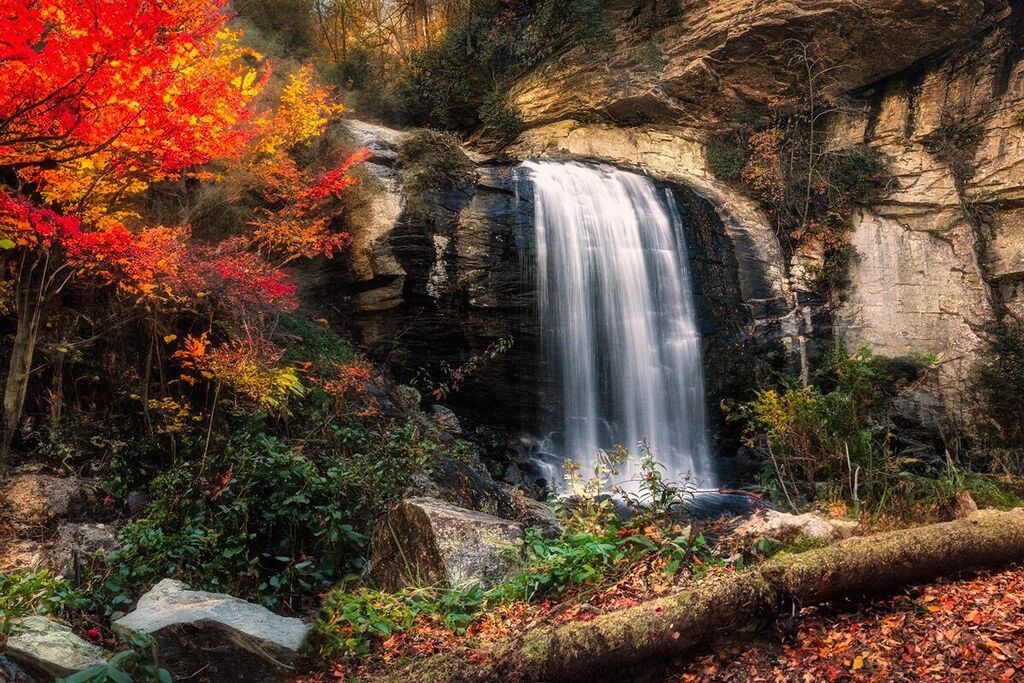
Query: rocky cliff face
<point x="698" y="61"/>
<point x="436" y="277"/>
<point x="936" y="86"/>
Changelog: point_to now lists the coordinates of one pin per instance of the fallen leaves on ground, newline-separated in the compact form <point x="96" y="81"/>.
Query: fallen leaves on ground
<point x="968" y="630"/>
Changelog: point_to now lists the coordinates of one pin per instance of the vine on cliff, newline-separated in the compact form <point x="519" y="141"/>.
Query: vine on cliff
<point x="779" y="155"/>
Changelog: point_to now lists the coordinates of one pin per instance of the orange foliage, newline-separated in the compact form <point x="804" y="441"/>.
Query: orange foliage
<point x="251" y="367"/>
<point x="300" y="227"/>
<point x="100" y="97"/>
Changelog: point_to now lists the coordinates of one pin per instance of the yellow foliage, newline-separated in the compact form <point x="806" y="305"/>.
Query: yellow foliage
<point x="302" y="115"/>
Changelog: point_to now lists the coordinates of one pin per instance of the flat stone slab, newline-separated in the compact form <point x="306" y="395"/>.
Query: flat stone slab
<point x="213" y="636"/>
<point x="43" y="646"/>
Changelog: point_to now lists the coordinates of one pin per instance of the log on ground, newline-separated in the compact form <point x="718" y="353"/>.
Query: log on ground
<point x="669" y="627"/>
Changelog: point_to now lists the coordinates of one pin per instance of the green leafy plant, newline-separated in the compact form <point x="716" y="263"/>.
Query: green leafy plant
<point x="36" y="592"/>
<point x="498" y="119"/>
<point x="351" y="619"/>
<point x="137" y="664"/>
<point x="727" y="155"/>
<point x="830" y="438"/>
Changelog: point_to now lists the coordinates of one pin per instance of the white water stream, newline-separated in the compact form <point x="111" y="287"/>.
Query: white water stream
<point x="617" y="314"/>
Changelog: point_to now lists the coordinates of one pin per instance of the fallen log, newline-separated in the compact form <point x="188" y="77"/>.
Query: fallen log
<point x="668" y="627"/>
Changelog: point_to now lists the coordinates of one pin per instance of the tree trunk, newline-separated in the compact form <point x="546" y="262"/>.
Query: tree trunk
<point x="668" y="627"/>
<point x="29" y="310"/>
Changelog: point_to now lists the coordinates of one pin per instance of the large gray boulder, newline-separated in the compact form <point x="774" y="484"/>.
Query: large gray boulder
<point x="427" y="542"/>
<point x="44" y="647"/>
<point x="215" y="637"/>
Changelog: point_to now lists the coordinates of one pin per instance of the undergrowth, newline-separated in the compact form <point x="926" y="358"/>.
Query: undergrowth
<point x="597" y="546"/>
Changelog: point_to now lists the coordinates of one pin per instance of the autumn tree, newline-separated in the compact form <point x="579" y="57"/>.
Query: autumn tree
<point x="98" y="98"/>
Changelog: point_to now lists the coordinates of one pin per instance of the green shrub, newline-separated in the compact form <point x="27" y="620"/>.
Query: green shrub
<point x="956" y="143"/>
<point x="831" y="438"/>
<point x="500" y="121"/>
<point x="1018" y="118"/>
<point x="727" y="155"/>
<point x="314" y="342"/>
<point x="999" y="378"/>
<point x="432" y="160"/>
<point x="28" y="593"/>
<point x="350" y="620"/>
<point x="257" y="519"/>
<point x="860" y="175"/>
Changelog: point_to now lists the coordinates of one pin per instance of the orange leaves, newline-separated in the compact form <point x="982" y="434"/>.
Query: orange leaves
<point x="100" y="97"/>
<point x="252" y="367"/>
<point x="303" y="114"/>
<point x="763" y="172"/>
<point x="966" y="630"/>
<point x="300" y="226"/>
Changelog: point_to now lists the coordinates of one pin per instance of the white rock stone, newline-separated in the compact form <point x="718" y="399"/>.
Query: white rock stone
<point x="226" y="638"/>
<point x="42" y="645"/>
<point x="787" y="528"/>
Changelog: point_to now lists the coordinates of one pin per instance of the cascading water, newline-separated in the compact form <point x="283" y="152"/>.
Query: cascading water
<point x="617" y="314"/>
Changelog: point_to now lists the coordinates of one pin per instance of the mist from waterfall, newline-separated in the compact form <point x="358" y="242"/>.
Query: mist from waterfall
<point x="617" y="317"/>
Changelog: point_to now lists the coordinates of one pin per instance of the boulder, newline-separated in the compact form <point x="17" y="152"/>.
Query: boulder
<point x="787" y="528"/>
<point x="469" y="485"/>
<point x="445" y="419"/>
<point x="80" y="545"/>
<point x="427" y="542"/>
<point x="204" y="636"/>
<point x="44" y="647"/>
<point x="40" y="499"/>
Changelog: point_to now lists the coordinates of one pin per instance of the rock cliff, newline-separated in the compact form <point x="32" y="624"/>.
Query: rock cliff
<point x="936" y="86"/>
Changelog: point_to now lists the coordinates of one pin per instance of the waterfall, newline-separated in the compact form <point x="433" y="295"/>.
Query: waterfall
<point x="617" y="317"/>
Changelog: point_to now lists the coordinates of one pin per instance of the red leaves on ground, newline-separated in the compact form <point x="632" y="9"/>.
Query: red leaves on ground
<point x="970" y="630"/>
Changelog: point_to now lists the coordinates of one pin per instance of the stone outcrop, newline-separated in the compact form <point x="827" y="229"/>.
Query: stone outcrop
<point x="943" y="255"/>
<point x="702" y="61"/>
<point x="45" y="648"/>
<point x="79" y="547"/>
<point x="787" y="528"/>
<point x="32" y="505"/>
<point x="215" y="636"/>
<point x="427" y="542"/>
<point x="437" y="278"/>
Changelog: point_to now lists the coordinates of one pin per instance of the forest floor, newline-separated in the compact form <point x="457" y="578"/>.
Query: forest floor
<point x="953" y="630"/>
